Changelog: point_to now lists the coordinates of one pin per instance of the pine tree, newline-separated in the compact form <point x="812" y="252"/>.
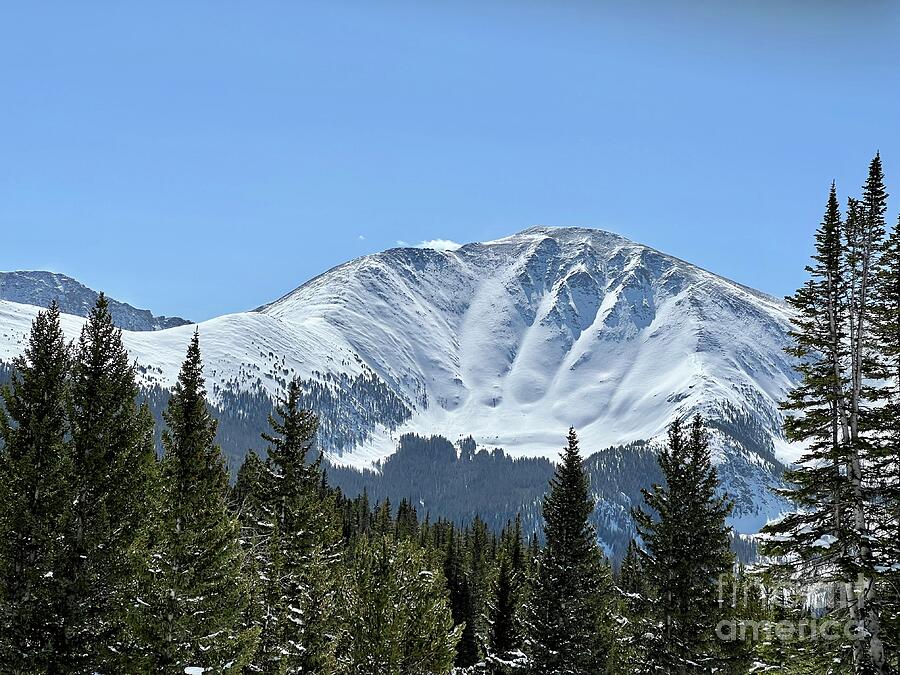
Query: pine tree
<point x="407" y="520"/>
<point x="572" y="585"/>
<point x="247" y="490"/>
<point x="865" y="244"/>
<point x="113" y="463"/>
<point x="462" y="604"/>
<point x="195" y="618"/>
<point x="631" y="582"/>
<point x="834" y="533"/>
<point x="687" y="550"/>
<point x="635" y="622"/>
<point x="35" y="495"/>
<point x="401" y="617"/>
<point x="886" y="313"/>
<point x="504" y="653"/>
<point x="302" y="549"/>
<point x="504" y="646"/>
<point x="249" y="503"/>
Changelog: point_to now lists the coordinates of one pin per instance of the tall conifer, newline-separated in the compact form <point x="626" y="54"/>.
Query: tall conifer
<point x="686" y="553"/>
<point x="567" y="612"/>
<point x="301" y="552"/>
<point x="834" y="535"/>
<point x="35" y="497"/>
<point x="113" y="463"/>
<point x="401" y="621"/>
<point x="200" y="593"/>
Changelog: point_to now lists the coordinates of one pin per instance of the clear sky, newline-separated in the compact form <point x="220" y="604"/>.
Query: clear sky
<point x="200" y="158"/>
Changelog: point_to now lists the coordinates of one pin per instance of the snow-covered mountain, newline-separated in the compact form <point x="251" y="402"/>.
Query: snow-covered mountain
<point x="41" y="288"/>
<point x="510" y="341"/>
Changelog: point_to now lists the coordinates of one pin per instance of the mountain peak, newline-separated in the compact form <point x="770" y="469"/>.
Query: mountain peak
<point x="511" y="342"/>
<point x="566" y="233"/>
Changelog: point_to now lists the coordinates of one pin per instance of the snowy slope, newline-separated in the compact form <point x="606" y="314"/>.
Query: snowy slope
<point x="513" y="341"/>
<point x="517" y="339"/>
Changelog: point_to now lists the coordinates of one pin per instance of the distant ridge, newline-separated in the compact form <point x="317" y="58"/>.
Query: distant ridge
<point x="41" y="288"/>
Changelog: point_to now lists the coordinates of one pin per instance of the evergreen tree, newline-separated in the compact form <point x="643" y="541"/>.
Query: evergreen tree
<point x="834" y="534"/>
<point x="35" y="497"/>
<point x="200" y="592"/>
<point x="631" y="582"/>
<point x="301" y="554"/>
<point x="687" y="552"/>
<point x="113" y="464"/>
<point x="504" y="654"/>
<point x="401" y="618"/>
<point x="635" y="621"/>
<point x="247" y="491"/>
<point x="566" y="614"/>
<point x="887" y="465"/>
<point x="462" y="604"/>
<point x="407" y="520"/>
<point x="248" y="501"/>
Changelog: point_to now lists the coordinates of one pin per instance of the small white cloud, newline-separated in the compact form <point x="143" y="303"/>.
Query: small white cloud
<point x="362" y="237"/>
<point x="440" y="245"/>
<point x="402" y="243"/>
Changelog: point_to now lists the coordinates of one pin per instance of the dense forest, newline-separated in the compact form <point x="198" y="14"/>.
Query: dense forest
<point x="118" y="558"/>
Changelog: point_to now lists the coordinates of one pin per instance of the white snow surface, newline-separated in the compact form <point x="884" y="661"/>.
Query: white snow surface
<point x="511" y="341"/>
<point x="516" y="340"/>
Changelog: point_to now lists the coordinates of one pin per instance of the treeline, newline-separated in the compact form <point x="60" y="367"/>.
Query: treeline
<point x="115" y="560"/>
<point x="348" y="408"/>
<point x="458" y="482"/>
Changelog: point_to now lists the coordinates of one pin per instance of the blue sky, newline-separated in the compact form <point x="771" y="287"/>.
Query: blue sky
<point x="199" y="158"/>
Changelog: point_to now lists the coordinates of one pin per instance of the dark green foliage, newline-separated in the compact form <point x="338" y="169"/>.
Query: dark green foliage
<point x="572" y="589"/>
<point x="633" y="615"/>
<point x="295" y="547"/>
<point x="457" y="485"/>
<point x="112" y="464"/>
<point x="462" y="599"/>
<point x="348" y="408"/>
<point x="197" y="592"/>
<point x="508" y="593"/>
<point x="35" y="497"/>
<point x="844" y="529"/>
<point x="401" y="621"/>
<point x="819" y="483"/>
<point x="686" y="554"/>
<point x="887" y="367"/>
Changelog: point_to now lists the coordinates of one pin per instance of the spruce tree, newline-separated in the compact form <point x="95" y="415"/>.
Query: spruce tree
<point x="504" y="646"/>
<point x="635" y="621"/>
<point x="200" y="593"/>
<point x="113" y="463"/>
<point x="35" y="497"/>
<point x="248" y="502"/>
<point x="301" y="552"/>
<point x="504" y="653"/>
<point x="401" y="620"/>
<point x="687" y="551"/>
<point x="462" y="604"/>
<point x="834" y="534"/>
<point x="887" y="465"/>
<point x="568" y="609"/>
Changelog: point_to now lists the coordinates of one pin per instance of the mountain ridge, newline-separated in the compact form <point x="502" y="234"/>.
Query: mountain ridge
<point x="40" y="288"/>
<point x="511" y="341"/>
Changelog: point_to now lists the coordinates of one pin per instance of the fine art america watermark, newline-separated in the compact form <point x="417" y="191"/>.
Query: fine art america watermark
<point x="820" y="611"/>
